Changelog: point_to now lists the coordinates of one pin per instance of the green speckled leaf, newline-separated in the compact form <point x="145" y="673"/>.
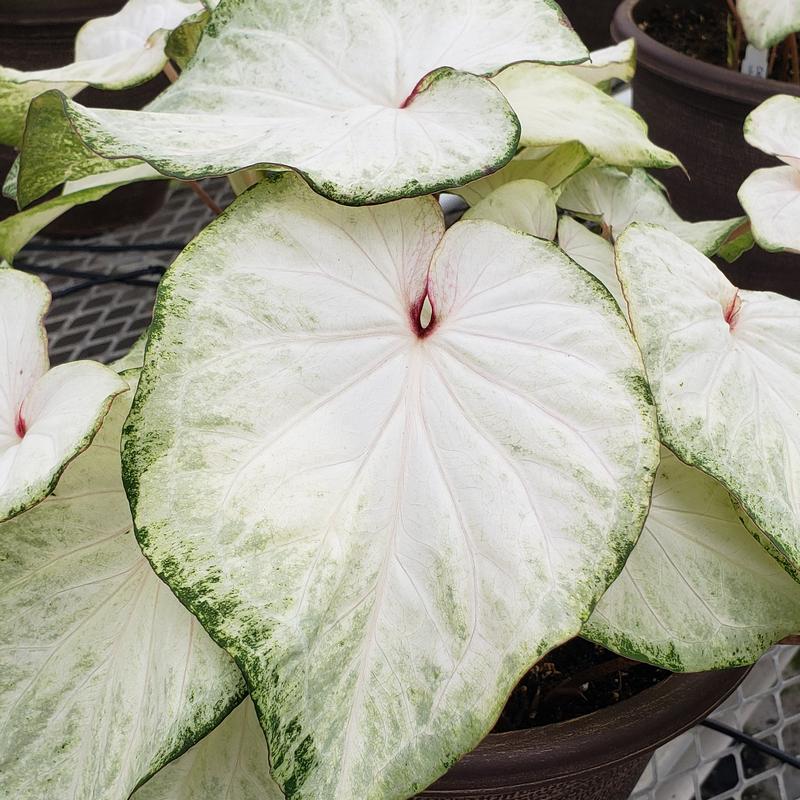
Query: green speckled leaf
<point x="698" y="592"/>
<point x="110" y="53"/>
<point x="618" y="198"/>
<point x="368" y="100"/>
<point x="47" y="416"/>
<point x="527" y="206"/>
<point x="771" y="197"/>
<point x="17" y="230"/>
<point x="555" y="107"/>
<point x="231" y="763"/>
<point x="550" y="165"/>
<point x="104" y="676"/>
<point x="724" y="367"/>
<point x="385" y="528"/>
<point x="767" y="22"/>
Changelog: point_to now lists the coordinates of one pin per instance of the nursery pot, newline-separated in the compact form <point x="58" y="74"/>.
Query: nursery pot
<point x="698" y="110"/>
<point x="40" y="34"/>
<point x="591" y="20"/>
<point x="596" y="757"/>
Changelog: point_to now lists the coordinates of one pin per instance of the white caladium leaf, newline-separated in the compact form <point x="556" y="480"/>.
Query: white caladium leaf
<point x="555" y="107"/>
<point x="618" y="199"/>
<point x="388" y="523"/>
<point x="724" y="367"/>
<point x="550" y="165"/>
<point x="527" y="206"/>
<point x="771" y="197"/>
<point x="594" y="253"/>
<point x="104" y="676"/>
<point x="231" y="763"/>
<point x="698" y="592"/>
<point x="17" y="230"/>
<point x="110" y="53"/>
<point x="393" y="118"/>
<point x="47" y="417"/>
<point x="617" y="62"/>
<point x="767" y="22"/>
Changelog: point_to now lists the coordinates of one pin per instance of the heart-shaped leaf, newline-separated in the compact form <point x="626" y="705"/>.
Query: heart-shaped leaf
<point x="386" y="525"/>
<point x="231" y="763"/>
<point x="550" y="165"/>
<point x="555" y="107"/>
<point x="104" y="676"/>
<point x="698" y="592"/>
<point x="46" y="417"/>
<point x="618" y="198"/>
<point x="724" y="367"/>
<point x="527" y="206"/>
<point x="767" y="22"/>
<point x="110" y="53"/>
<point x="363" y="99"/>
<point x="771" y="197"/>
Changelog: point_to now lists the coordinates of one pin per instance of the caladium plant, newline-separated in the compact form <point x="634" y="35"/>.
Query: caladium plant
<point x="374" y="469"/>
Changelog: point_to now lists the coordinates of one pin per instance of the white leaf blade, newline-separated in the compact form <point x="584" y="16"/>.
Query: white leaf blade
<point x="408" y="446"/>
<point x="617" y="62"/>
<point x="724" y="367"/>
<point x="524" y="205"/>
<point x="46" y="417"/>
<point x="546" y="98"/>
<point x="773" y="128"/>
<point x="771" y="198"/>
<point x="105" y="676"/>
<point x="767" y="22"/>
<point x="698" y="591"/>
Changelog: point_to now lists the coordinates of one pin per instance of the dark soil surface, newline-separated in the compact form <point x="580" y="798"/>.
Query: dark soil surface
<point x="575" y="679"/>
<point x="700" y="32"/>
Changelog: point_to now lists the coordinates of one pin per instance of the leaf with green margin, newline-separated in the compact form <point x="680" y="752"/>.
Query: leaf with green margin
<point x="527" y="206"/>
<point x="404" y="114"/>
<point x="698" y="592"/>
<point x="555" y="107"/>
<point x="231" y="763"/>
<point x="617" y="62"/>
<point x="47" y="416"/>
<point x="385" y="528"/>
<point x="550" y="165"/>
<point x="767" y="22"/>
<point x="773" y="128"/>
<point x="17" y="230"/>
<point x="104" y="676"/>
<point x="593" y="253"/>
<point x="618" y="198"/>
<point x="724" y="368"/>
<point x="113" y="52"/>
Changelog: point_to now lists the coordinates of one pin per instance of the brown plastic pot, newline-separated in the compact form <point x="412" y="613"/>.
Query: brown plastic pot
<point x="697" y="110"/>
<point x="597" y="757"/>
<point x="34" y="34"/>
<point x="591" y="20"/>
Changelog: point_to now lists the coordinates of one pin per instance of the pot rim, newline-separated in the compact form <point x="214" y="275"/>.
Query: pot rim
<point x="631" y="728"/>
<point x="691" y="72"/>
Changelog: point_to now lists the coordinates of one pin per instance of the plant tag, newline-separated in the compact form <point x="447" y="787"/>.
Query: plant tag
<point x="755" y="62"/>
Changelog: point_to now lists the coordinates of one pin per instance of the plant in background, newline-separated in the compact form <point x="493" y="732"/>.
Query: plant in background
<point x="385" y="467"/>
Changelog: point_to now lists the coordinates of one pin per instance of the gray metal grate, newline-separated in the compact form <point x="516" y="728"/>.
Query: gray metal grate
<point x="102" y="322"/>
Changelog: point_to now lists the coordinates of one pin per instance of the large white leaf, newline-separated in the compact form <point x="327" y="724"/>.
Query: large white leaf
<point x="698" y="592"/>
<point x="104" y="676"/>
<point x="110" y="53"/>
<point x="231" y="763"/>
<point x="527" y="206"/>
<point x="46" y="417"/>
<point x="593" y="253"/>
<point x="724" y="367"/>
<point x="385" y="524"/>
<point x="618" y="198"/>
<point x="362" y="98"/>
<point x="767" y="22"/>
<point x="555" y="107"/>
<point x="771" y="197"/>
<point x="550" y="165"/>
